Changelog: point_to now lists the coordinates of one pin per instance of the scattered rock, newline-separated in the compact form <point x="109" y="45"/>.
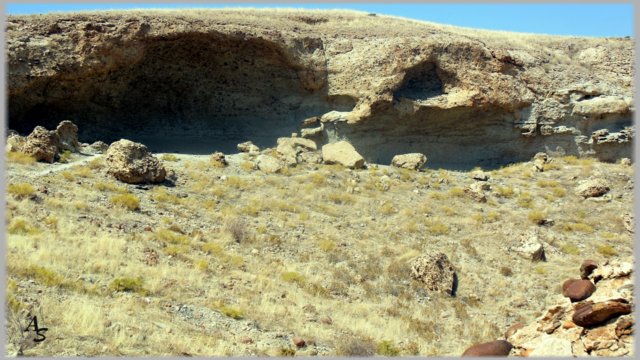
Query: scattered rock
<point x="611" y="269"/>
<point x="476" y="191"/>
<point x="310" y="121"/>
<point x="577" y="290"/>
<point x="539" y="160"/>
<point x="248" y="147"/>
<point x="625" y="162"/>
<point x="624" y="326"/>
<point x="587" y="268"/>
<point x="342" y="153"/>
<point x="68" y="134"/>
<point x="492" y="348"/>
<point x="591" y="314"/>
<point x="150" y="257"/>
<point x="298" y="341"/>
<point x="246" y="340"/>
<point x="592" y="188"/>
<point x="411" y="161"/>
<point x="42" y="144"/>
<point x="480" y="175"/>
<point x="218" y="159"/>
<point x="530" y="248"/>
<point x="551" y="320"/>
<point x="268" y="164"/>
<point x="132" y="163"/>
<point x="436" y="272"/>
<point x="289" y="149"/>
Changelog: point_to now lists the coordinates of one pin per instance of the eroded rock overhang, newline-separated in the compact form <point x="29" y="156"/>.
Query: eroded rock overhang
<point x="192" y="85"/>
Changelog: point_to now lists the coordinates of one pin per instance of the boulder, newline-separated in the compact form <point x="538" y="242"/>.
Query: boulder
<point x="492" y="348"/>
<point x="436" y="272"/>
<point x="218" y="159"/>
<point x="476" y="191"/>
<point x="577" y="290"/>
<point x="513" y="329"/>
<point x="298" y="341"/>
<point x="312" y="132"/>
<point x="68" y="134"/>
<point x="248" y="147"/>
<point x="132" y="163"/>
<point x="289" y="149"/>
<point x="411" y="161"/>
<point x="592" y="188"/>
<point x="42" y="144"/>
<point x="342" y="153"/>
<point x="589" y="314"/>
<point x="625" y="162"/>
<point x="611" y="270"/>
<point x="530" y="248"/>
<point x="268" y="164"/>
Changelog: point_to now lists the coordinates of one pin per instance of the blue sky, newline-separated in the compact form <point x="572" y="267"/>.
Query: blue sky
<point x="561" y="19"/>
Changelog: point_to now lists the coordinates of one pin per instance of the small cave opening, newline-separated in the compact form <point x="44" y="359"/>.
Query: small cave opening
<point x="420" y="82"/>
<point x="190" y="93"/>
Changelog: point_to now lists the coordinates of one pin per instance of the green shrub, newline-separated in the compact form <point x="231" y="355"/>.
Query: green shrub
<point x="126" y="284"/>
<point x="387" y="348"/>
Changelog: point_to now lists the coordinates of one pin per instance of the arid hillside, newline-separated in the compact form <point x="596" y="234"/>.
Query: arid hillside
<point x="280" y="183"/>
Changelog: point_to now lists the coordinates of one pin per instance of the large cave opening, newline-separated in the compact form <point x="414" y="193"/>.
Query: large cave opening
<point x="193" y="93"/>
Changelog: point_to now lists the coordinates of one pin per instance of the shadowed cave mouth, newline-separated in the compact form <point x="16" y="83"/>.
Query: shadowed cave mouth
<point x="193" y="93"/>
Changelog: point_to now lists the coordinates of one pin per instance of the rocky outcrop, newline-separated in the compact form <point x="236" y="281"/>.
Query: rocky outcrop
<point x="342" y="153"/>
<point x="68" y="134"/>
<point x="599" y="325"/>
<point x="465" y="97"/>
<point x="268" y="164"/>
<point x="436" y="272"/>
<point x="132" y="163"/>
<point x="295" y="150"/>
<point x="592" y="188"/>
<point x="248" y="147"/>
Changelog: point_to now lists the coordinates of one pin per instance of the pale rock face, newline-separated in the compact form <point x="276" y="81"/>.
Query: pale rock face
<point x="268" y="164"/>
<point x="435" y="271"/>
<point x="530" y="247"/>
<point x="290" y="149"/>
<point x="342" y="153"/>
<point x="132" y="163"/>
<point x="412" y="161"/>
<point x="602" y="105"/>
<point x="552" y="346"/>
<point x="15" y="143"/>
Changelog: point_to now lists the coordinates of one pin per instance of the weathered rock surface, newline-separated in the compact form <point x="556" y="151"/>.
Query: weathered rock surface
<point x="218" y="159"/>
<point x="132" y="163"/>
<point x="413" y="161"/>
<point x="597" y="326"/>
<point x="42" y="144"/>
<point x="529" y="247"/>
<point x="342" y="153"/>
<point x="280" y="70"/>
<point x="290" y="149"/>
<point x="436" y="272"/>
<point x="587" y="267"/>
<point x="68" y="133"/>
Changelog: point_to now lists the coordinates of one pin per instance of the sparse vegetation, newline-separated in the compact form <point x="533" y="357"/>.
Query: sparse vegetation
<point x="21" y="190"/>
<point x="127" y="284"/>
<point x="16" y="157"/>
<point x="127" y="201"/>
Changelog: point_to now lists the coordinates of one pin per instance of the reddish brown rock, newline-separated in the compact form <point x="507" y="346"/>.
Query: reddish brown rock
<point x="590" y="314"/>
<point x="577" y="290"/>
<point x="493" y="348"/>
<point x="298" y="341"/>
<point x="587" y="268"/>
<point x="513" y="329"/>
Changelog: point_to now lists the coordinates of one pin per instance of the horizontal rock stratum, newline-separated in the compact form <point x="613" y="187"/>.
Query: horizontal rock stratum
<point x="206" y="80"/>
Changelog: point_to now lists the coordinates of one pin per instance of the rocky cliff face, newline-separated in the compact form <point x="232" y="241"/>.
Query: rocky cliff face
<point x="206" y="80"/>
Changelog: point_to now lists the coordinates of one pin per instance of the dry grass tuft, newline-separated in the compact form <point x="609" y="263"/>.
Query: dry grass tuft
<point x="126" y="201"/>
